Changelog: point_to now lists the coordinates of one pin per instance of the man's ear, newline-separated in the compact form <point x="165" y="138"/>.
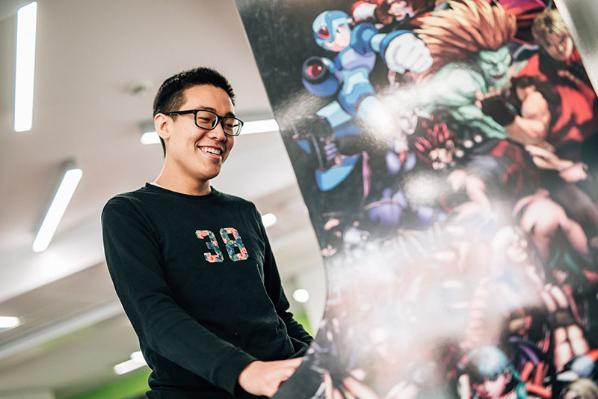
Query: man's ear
<point x="163" y="126"/>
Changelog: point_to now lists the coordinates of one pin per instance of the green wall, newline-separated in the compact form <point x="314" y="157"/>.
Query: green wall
<point x="129" y="386"/>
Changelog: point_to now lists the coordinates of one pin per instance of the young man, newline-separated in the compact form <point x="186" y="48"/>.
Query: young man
<point x="193" y="267"/>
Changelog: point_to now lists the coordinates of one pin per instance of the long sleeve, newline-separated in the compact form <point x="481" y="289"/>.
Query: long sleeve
<point x="301" y="339"/>
<point x="134" y="260"/>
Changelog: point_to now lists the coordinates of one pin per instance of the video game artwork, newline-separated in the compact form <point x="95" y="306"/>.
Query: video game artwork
<point x="446" y="151"/>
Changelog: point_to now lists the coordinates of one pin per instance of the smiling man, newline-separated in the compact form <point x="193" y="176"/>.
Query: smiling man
<point x="193" y="267"/>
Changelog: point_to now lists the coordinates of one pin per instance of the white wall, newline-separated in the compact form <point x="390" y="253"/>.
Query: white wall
<point x="27" y="395"/>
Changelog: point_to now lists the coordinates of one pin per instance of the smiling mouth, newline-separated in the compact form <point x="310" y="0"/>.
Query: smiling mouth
<point x="211" y="151"/>
<point x="498" y="77"/>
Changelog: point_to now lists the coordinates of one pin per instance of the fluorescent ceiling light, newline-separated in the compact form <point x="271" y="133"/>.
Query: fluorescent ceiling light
<point x="7" y="322"/>
<point x="25" y="68"/>
<point x="262" y="126"/>
<point x="150" y="138"/>
<point x="135" y="362"/>
<point x="269" y="219"/>
<point x="301" y="295"/>
<point x="68" y="184"/>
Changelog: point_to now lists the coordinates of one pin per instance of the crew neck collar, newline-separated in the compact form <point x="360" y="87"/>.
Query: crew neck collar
<point x="157" y="188"/>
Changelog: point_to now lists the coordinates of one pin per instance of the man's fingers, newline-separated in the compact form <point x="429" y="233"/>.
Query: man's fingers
<point x="277" y="379"/>
<point x="264" y="378"/>
<point x="285" y="374"/>
<point x="293" y="362"/>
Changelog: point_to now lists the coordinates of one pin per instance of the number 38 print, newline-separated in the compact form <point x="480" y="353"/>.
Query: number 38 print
<point x="232" y="241"/>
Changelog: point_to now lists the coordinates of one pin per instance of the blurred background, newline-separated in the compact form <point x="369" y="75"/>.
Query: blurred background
<point x="98" y="64"/>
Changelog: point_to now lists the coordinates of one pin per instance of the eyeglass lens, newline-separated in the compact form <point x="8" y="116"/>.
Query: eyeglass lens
<point x="209" y="120"/>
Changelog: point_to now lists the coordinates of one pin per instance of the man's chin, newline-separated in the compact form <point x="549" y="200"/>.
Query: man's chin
<point x="205" y="175"/>
<point x="210" y="176"/>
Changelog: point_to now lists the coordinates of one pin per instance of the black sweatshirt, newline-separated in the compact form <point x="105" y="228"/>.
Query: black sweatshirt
<point x="197" y="278"/>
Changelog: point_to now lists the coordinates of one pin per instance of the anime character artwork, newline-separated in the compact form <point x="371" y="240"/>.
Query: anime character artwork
<point x="446" y="151"/>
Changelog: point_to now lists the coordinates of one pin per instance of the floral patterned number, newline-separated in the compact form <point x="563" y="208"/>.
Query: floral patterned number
<point x="234" y="244"/>
<point x="215" y="254"/>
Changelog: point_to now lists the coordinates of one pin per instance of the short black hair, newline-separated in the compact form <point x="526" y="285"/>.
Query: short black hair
<point x="170" y="95"/>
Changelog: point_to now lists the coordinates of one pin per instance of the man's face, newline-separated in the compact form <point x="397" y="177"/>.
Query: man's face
<point x="559" y="46"/>
<point x="495" y="66"/>
<point x="198" y="153"/>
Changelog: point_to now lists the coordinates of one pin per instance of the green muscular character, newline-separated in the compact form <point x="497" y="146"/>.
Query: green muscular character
<point x="468" y="42"/>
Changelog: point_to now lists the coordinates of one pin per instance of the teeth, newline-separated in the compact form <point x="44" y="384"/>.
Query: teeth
<point x="211" y="150"/>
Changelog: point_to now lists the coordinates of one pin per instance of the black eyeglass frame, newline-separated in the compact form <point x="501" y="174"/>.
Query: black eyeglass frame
<point x="219" y="119"/>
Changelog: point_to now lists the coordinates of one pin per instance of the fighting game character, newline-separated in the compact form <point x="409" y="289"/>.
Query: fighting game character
<point x="529" y="113"/>
<point x="488" y="374"/>
<point x="468" y="43"/>
<point x="559" y="63"/>
<point x="389" y="13"/>
<point x="435" y="146"/>
<point x="346" y="78"/>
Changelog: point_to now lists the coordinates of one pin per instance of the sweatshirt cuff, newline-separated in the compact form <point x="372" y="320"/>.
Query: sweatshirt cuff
<point x="226" y="372"/>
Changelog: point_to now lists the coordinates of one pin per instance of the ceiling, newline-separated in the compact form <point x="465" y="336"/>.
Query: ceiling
<point x="89" y="56"/>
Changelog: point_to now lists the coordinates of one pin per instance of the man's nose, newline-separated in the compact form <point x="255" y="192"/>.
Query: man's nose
<point x="218" y="132"/>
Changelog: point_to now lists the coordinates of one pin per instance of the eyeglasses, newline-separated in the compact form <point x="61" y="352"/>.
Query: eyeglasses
<point x="206" y="119"/>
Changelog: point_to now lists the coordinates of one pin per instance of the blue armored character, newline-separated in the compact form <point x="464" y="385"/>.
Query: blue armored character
<point x="334" y="133"/>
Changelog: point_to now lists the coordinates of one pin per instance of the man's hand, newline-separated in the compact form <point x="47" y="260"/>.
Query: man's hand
<point x="264" y="378"/>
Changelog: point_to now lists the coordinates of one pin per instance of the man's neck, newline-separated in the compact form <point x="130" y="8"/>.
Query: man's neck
<point x="181" y="183"/>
